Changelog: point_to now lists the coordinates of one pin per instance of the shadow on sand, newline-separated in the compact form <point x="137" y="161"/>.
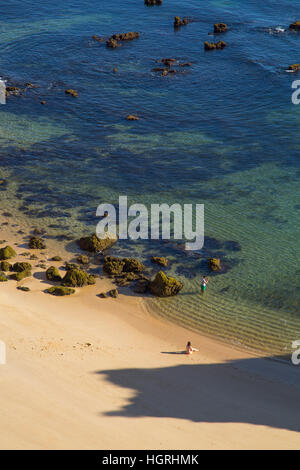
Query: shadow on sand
<point x="256" y="390"/>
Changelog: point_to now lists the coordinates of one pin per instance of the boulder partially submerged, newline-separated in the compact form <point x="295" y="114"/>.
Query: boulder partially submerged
<point x="214" y="264"/>
<point x="160" y="260"/>
<point x="180" y="22"/>
<point x="94" y="244"/>
<point x="164" y="286"/>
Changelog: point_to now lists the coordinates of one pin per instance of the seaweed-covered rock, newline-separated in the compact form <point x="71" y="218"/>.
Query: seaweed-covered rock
<point x="141" y="286"/>
<point x="114" y="293"/>
<point x="69" y="266"/>
<point x="179" y="22"/>
<point x="126" y="36"/>
<point x="21" y="275"/>
<point x="220" y="28"/>
<point x="98" y="38"/>
<point x="19" y="267"/>
<point x="160" y="260"/>
<point x="295" y="26"/>
<point x="214" y="264"/>
<point x="5" y="266"/>
<point x="113" y="266"/>
<point x="56" y="258"/>
<point x="52" y="274"/>
<point x="3" y="278"/>
<point x="7" y="253"/>
<point x="36" y="243"/>
<point x="294" y="67"/>
<point x="23" y="288"/>
<point x="77" y="278"/>
<point x="94" y="244"/>
<point x="102" y="295"/>
<point x="60" y="291"/>
<point x="164" y="286"/>
<point x="133" y="265"/>
<point x="83" y="259"/>
<point x="71" y="92"/>
<point x="112" y="43"/>
<point x="208" y="46"/>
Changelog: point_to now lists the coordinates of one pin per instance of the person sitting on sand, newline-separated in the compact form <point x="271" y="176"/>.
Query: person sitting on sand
<point x="204" y="282"/>
<point x="189" y="349"/>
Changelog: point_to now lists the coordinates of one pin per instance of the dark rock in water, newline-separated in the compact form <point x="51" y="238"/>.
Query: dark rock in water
<point x="5" y="266"/>
<point x="52" y="274"/>
<point x="112" y="43"/>
<point x="23" y="288"/>
<point x="7" y="214"/>
<point x="186" y="64"/>
<point x="7" y="253"/>
<point x="209" y="46"/>
<point x="160" y="260"/>
<point x="71" y="92"/>
<point x="13" y="90"/>
<point x="164" y="286"/>
<point x="43" y="102"/>
<point x="83" y="259"/>
<point x="36" y="243"/>
<point x="294" y="67"/>
<point x="141" y="286"/>
<point x="126" y="36"/>
<point x="114" y="293"/>
<point x="214" y="264"/>
<point x="132" y="117"/>
<point x="133" y="265"/>
<point x="60" y="291"/>
<point x="168" y="62"/>
<point x="220" y="28"/>
<point x="179" y="22"/>
<point x="3" y="278"/>
<point x="77" y="278"/>
<point x="150" y="3"/>
<point x="94" y="244"/>
<point x="98" y="38"/>
<point x="21" y="275"/>
<point x="115" y="70"/>
<point x="295" y="26"/>
<point x="19" y="267"/>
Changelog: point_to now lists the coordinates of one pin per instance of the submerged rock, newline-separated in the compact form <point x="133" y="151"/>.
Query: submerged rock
<point x="214" y="264"/>
<point x="220" y="28"/>
<point x="60" y="291"/>
<point x="71" y="92"/>
<point x="36" y="243"/>
<point x="52" y="274"/>
<point x="160" y="260"/>
<point x="126" y="36"/>
<point x="295" y="26"/>
<point x="141" y="286"/>
<point x="164" y="286"/>
<point x="77" y="278"/>
<point x="95" y="244"/>
<point x="7" y="253"/>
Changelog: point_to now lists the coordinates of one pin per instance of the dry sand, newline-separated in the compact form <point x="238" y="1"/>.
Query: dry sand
<point x="90" y="373"/>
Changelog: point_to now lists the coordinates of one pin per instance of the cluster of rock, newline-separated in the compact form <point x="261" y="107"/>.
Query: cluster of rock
<point x="20" y="270"/>
<point x="209" y="46"/>
<point x="169" y="65"/>
<point x="180" y="22"/>
<point x="220" y="27"/>
<point x="150" y="3"/>
<point x="71" y="92"/>
<point x="115" y="39"/>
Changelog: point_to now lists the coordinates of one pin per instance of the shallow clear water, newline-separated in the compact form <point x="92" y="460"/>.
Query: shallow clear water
<point x="225" y="134"/>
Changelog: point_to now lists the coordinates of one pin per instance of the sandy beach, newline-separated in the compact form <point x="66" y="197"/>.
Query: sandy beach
<point x="90" y="373"/>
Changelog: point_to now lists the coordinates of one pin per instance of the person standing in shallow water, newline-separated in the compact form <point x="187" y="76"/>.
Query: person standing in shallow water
<point x="204" y="282"/>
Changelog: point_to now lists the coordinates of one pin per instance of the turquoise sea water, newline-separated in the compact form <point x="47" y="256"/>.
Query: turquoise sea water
<point x="223" y="134"/>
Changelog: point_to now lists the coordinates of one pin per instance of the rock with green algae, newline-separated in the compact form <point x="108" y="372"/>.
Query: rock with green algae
<point x="164" y="286"/>
<point x="77" y="278"/>
<point x="5" y="266"/>
<point x="21" y="275"/>
<point x="141" y="286"/>
<point x="69" y="266"/>
<point x="3" y="278"/>
<point x="113" y="293"/>
<point x="113" y="265"/>
<point x="102" y="295"/>
<point x="7" y="253"/>
<point x="95" y="244"/>
<point x="52" y="274"/>
<point x="160" y="260"/>
<point x="56" y="258"/>
<point x="83" y="259"/>
<point x="19" y="267"/>
<point x="214" y="264"/>
<point x="60" y="291"/>
<point x="220" y="27"/>
<point x="179" y="22"/>
<point x="36" y="243"/>
<point x="133" y="265"/>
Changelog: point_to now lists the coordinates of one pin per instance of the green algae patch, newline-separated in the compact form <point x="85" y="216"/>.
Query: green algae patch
<point x="52" y="274"/>
<point x="60" y="291"/>
<point x="77" y="278"/>
<point x="19" y="267"/>
<point x="7" y="253"/>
